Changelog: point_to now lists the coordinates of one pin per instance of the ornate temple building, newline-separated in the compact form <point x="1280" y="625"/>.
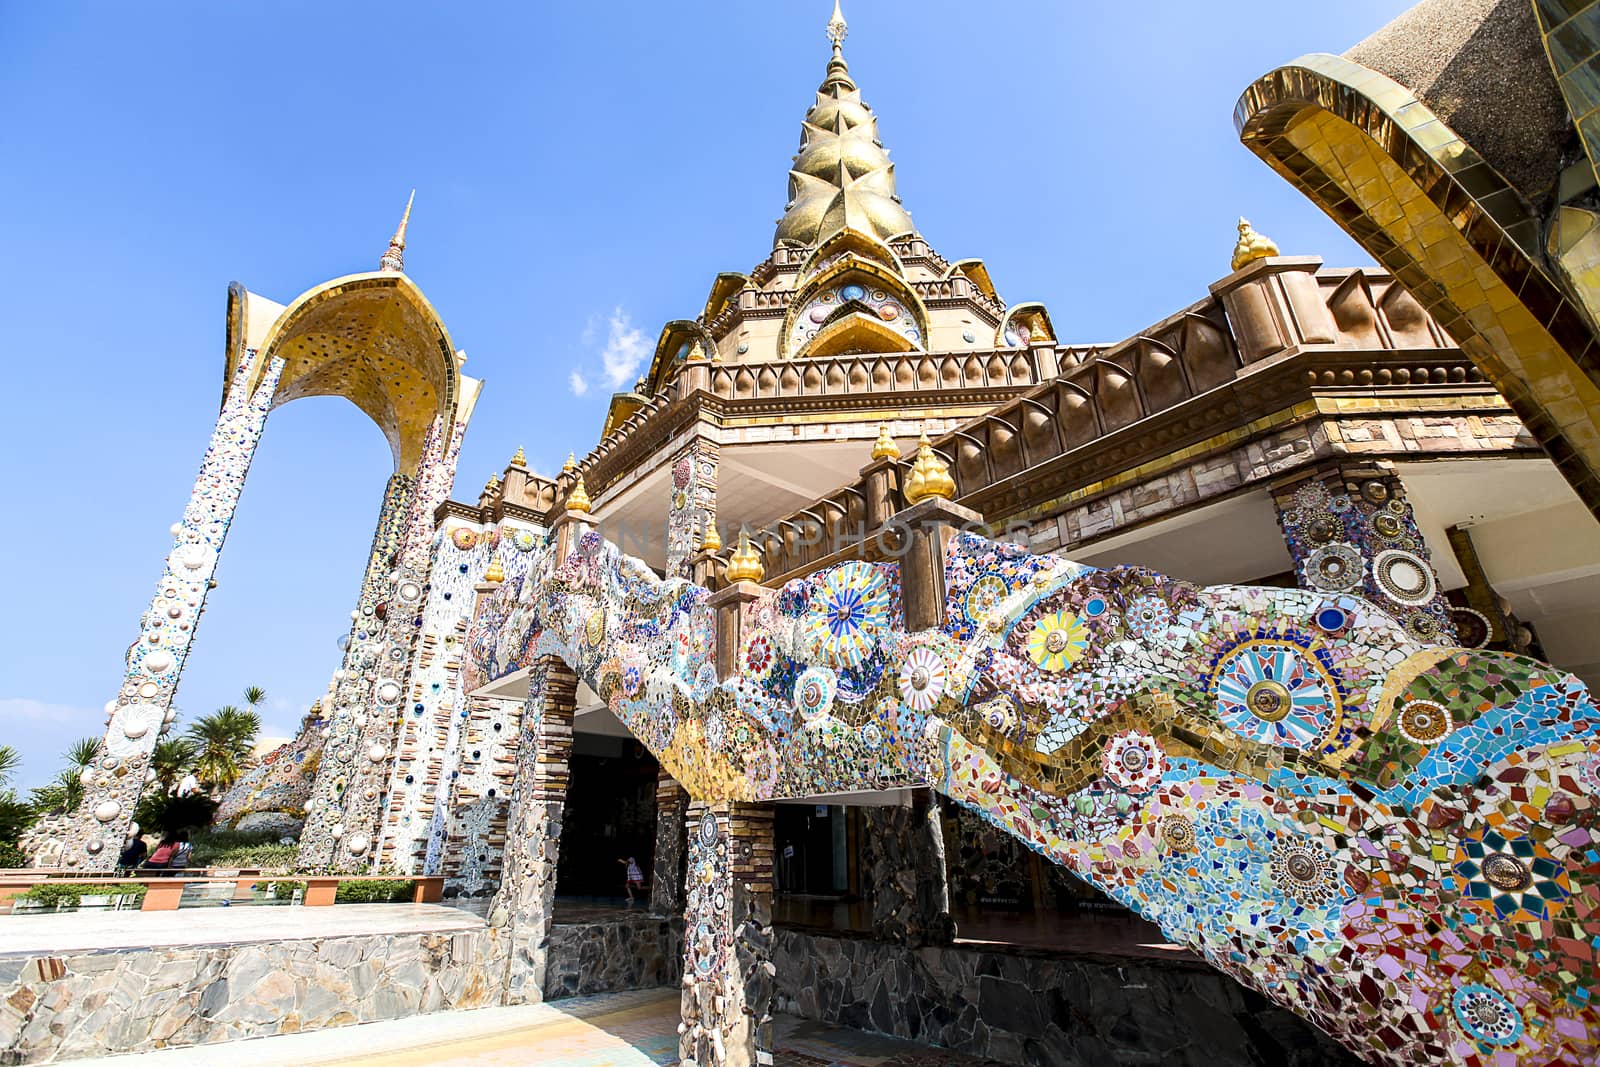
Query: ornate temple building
<point x="881" y="618"/>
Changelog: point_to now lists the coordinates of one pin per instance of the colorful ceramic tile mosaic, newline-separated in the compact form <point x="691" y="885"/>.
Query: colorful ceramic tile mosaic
<point x="1395" y="840"/>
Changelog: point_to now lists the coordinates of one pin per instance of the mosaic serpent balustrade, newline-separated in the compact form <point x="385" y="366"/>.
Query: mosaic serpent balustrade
<point x="1395" y="840"/>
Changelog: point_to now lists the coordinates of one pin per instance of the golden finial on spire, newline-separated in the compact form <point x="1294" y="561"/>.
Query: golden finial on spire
<point x="570" y="465"/>
<point x="884" y="447"/>
<point x="838" y="28"/>
<point x="578" y="499"/>
<point x="520" y="459"/>
<point x="1252" y="245"/>
<point x="745" y="563"/>
<point x="395" y="259"/>
<point x="496" y="573"/>
<point x="492" y="486"/>
<point x="929" y="476"/>
<point x="712" y="541"/>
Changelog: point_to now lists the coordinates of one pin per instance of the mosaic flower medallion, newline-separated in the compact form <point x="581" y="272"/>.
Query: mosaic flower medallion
<point x="1486" y="1015"/>
<point x="1424" y="722"/>
<point x="1057" y="641"/>
<point x="1403" y="576"/>
<point x="1274" y="693"/>
<point x="1335" y="567"/>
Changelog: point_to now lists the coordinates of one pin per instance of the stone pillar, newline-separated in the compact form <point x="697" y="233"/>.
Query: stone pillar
<point x="694" y="503"/>
<point x="1351" y="531"/>
<point x="1276" y="308"/>
<point x="666" y="879"/>
<point x="372" y="688"/>
<point x="524" y="906"/>
<point x="142" y="710"/>
<point x="478" y="798"/>
<point x="728" y="973"/>
<point x="904" y="877"/>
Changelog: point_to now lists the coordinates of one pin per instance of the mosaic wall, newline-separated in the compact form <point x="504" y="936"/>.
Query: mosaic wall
<point x="272" y="795"/>
<point x="436" y="717"/>
<point x="1392" y="839"/>
<point x="866" y="296"/>
<point x="142" y="710"/>
<point x="1360" y="536"/>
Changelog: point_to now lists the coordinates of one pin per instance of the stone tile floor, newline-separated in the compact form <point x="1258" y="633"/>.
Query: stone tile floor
<point x="633" y="1029"/>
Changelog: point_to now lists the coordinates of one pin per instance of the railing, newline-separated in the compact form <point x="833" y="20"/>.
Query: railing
<point x="165" y="894"/>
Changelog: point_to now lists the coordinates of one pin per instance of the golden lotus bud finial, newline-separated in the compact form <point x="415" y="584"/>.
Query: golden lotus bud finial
<point x="745" y="563"/>
<point x="570" y="465"/>
<point x="1252" y="245"/>
<point x="520" y="459"/>
<point x="492" y="486"/>
<point x="929" y="476"/>
<point x="712" y="541"/>
<point x="496" y="573"/>
<point x="579" y="498"/>
<point x="884" y="447"/>
<point x="394" y="260"/>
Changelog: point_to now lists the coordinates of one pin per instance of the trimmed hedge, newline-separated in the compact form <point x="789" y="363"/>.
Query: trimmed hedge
<point x="384" y="891"/>
<point x="285" y="890"/>
<point x="11" y="856"/>
<point x="55" y="894"/>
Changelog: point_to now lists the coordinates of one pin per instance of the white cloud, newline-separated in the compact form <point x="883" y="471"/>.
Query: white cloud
<point x="625" y="350"/>
<point x="21" y="708"/>
<point x="578" y="383"/>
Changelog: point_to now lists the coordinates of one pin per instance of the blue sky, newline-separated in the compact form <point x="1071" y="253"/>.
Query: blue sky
<point x="582" y="173"/>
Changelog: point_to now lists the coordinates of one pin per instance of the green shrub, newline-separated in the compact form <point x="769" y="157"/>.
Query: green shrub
<point x="11" y="855"/>
<point x="55" y="894"/>
<point x="382" y="891"/>
<point x="285" y="890"/>
<point x="265" y="857"/>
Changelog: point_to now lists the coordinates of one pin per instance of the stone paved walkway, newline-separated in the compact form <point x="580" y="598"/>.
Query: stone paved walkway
<point x="634" y="1029"/>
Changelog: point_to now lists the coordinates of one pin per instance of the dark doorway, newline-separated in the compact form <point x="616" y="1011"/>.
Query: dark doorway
<point x="812" y="854"/>
<point x="610" y="816"/>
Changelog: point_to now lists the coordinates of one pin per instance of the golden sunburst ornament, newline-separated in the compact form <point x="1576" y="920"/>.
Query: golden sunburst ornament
<point x="1057" y="641"/>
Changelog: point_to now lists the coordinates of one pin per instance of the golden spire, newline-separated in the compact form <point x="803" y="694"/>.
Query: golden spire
<point x="570" y="465"/>
<point x="1252" y="245"/>
<point x="842" y="177"/>
<point x="496" y="573"/>
<point x="929" y="475"/>
<point x="884" y="447"/>
<point x="712" y="541"/>
<point x="745" y="563"/>
<point x="394" y="260"/>
<point x="520" y="459"/>
<point x="492" y="486"/>
<point x="578" y="499"/>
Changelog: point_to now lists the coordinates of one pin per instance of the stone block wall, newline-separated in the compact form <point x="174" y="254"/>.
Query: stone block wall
<point x="640" y="952"/>
<point x="1033" y="1008"/>
<point x="77" y="1004"/>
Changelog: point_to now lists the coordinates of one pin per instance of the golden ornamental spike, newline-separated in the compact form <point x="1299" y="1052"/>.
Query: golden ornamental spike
<point x="520" y="459"/>
<point x="492" y="486"/>
<point x="838" y="28"/>
<point x="578" y="500"/>
<point x="745" y="563"/>
<point x="884" y="447"/>
<point x="496" y="573"/>
<point x="712" y="541"/>
<point x="570" y="465"/>
<point x="1252" y="245"/>
<point x="394" y="260"/>
<point x="929" y="477"/>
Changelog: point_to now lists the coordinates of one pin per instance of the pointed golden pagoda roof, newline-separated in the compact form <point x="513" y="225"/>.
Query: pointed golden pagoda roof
<point x="842" y="177"/>
<point x="395" y="258"/>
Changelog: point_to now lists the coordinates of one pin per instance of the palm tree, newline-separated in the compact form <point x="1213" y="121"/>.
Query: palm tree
<point x="171" y="759"/>
<point x="82" y="753"/>
<point x="65" y="791"/>
<point x="253" y="696"/>
<point x="223" y="740"/>
<point x="10" y="760"/>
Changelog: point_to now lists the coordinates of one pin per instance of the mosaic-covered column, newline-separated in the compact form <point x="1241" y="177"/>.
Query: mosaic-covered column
<point x="479" y="795"/>
<point x="526" y="900"/>
<point x="1351" y="532"/>
<point x="370" y="689"/>
<point x="904" y="876"/>
<point x="142" y="710"/>
<point x="694" y="504"/>
<point x="727" y="939"/>
<point x="666" y="879"/>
